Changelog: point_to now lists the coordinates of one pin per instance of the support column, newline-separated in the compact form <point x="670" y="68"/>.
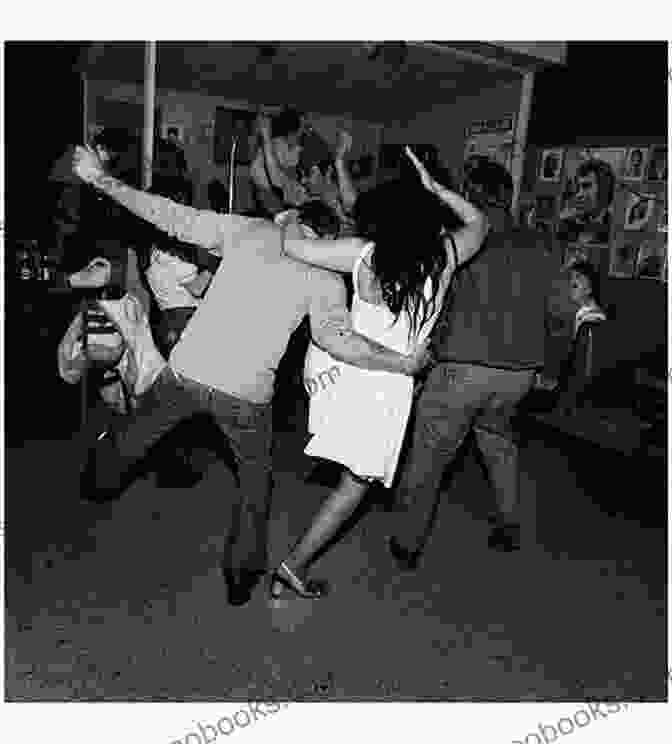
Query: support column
<point x="85" y="109"/>
<point x="150" y="107"/>
<point x="520" y="143"/>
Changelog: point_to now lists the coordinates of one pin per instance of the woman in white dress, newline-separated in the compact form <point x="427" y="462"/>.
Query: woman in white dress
<point x="401" y="272"/>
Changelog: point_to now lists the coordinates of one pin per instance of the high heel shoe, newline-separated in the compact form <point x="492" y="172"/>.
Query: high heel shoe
<point x="285" y="578"/>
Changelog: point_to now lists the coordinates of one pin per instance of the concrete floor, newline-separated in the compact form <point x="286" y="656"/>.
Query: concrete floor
<point x="124" y="601"/>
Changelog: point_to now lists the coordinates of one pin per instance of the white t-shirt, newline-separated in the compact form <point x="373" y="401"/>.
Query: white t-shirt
<point x="167" y="275"/>
<point x="591" y="312"/>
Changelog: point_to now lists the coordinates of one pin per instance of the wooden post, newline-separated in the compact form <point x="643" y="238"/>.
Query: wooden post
<point x="520" y="142"/>
<point x="150" y="106"/>
<point x="85" y="109"/>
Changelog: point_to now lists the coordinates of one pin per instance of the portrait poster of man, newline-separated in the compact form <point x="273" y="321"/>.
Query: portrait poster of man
<point x="585" y="215"/>
<point x="638" y="211"/>
<point x="635" y="164"/>
<point x="624" y="250"/>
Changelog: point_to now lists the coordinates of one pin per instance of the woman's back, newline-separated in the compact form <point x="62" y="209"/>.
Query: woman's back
<point x="372" y="317"/>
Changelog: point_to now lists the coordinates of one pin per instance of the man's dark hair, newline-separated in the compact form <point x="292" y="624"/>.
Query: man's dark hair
<point x="285" y="123"/>
<point x="606" y="181"/>
<point x="489" y="180"/>
<point x="319" y="217"/>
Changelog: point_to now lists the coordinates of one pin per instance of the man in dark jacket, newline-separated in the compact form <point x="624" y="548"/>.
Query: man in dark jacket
<point x="489" y="343"/>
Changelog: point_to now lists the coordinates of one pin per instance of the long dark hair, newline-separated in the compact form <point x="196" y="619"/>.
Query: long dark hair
<point x="407" y="224"/>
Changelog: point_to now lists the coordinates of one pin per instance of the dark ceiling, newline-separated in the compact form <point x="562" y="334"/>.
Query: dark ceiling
<point x="344" y="78"/>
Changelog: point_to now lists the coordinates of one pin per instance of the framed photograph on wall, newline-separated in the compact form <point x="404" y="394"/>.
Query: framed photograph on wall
<point x="614" y="156"/>
<point x="652" y="259"/>
<point x="551" y="165"/>
<point x="639" y="209"/>
<point x="623" y="252"/>
<point x="173" y="133"/>
<point x="635" y="163"/>
<point x="657" y="167"/>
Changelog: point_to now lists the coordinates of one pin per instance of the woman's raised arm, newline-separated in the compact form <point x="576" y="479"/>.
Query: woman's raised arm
<point x="336" y="255"/>
<point x="468" y="239"/>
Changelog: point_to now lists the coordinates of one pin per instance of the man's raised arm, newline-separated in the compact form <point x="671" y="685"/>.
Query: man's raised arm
<point x="190" y="225"/>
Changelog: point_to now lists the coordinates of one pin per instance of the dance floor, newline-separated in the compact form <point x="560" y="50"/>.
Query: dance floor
<point x="124" y="601"/>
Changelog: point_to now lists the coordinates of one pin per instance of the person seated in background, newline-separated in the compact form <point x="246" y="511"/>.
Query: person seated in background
<point x="276" y="185"/>
<point x="584" y="292"/>
<point x="330" y="181"/>
<point x="564" y="393"/>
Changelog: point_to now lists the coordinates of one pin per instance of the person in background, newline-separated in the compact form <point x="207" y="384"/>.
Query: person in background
<point x="584" y="295"/>
<point x="274" y="175"/>
<point x="489" y="342"/>
<point x="330" y="181"/>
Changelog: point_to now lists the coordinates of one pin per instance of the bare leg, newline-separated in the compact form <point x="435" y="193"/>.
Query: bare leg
<point x="334" y="512"/>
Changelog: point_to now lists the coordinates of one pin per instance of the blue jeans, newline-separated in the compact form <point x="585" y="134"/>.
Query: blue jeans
<point x="456" y="399"/>
<point x="247" y="427"/>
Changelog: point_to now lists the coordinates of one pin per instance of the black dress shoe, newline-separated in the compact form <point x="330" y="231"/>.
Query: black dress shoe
<point x="240" y="584"/>
<point x="406" y="560"/>
<point x="504" y="538"/>
<point x="92" y="487"/>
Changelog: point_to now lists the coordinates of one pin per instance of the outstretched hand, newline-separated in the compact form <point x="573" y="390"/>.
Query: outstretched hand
<point x="87" y="164"/>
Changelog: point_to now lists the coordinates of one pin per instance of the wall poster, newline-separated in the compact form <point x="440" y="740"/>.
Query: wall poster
<point x="493" y="138"/>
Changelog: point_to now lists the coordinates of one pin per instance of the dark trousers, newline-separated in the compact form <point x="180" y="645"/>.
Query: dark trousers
<point x="456" y="399"/>
<point x="247" y="428"/>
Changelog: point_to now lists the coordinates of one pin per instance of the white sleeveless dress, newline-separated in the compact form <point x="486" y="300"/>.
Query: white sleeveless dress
<point x="358" y="417"/>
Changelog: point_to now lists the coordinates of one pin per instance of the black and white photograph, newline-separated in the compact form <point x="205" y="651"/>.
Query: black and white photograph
<point x="657" y="167"/>
<point x="551" y="165"/>
<point x="635" y="164"/>
<point x="639" y="210"/>
<point x="283" y="424"/>
<point x="587" y="199"/>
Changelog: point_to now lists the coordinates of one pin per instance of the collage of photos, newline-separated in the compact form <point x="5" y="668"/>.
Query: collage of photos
<point x="603" y="199"/>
